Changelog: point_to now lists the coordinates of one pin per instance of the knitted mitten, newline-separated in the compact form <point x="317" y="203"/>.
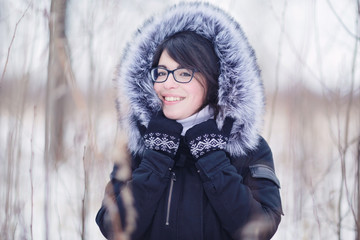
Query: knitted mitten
<point x="163" y="135"/>
<point x="206" y="137"/>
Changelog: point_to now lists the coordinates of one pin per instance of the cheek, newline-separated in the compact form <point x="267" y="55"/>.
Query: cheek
<point x="157" y="88"/>
<point x="200" y="90"/>
<point x="203" y="96"/>
<point x="198" y="94"/>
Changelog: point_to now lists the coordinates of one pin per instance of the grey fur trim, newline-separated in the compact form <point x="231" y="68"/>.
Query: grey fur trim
<point x="240" y="87"/>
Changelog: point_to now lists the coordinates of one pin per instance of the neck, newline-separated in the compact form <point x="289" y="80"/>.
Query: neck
<point x="204" y="114"/>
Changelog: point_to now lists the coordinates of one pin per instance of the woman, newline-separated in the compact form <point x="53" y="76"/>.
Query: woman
<point x="200" y="168"/>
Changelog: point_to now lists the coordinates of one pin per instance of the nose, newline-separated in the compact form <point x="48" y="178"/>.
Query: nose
<point x="170" y="82"/>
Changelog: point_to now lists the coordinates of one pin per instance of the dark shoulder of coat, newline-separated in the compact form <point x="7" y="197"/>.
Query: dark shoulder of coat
<point x="258" y="172"/>
<point x="261" y="155"/>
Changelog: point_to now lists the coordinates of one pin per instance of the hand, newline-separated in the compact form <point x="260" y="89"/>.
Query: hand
<point x="163" y="135"/>
<point x="206" y="137"/>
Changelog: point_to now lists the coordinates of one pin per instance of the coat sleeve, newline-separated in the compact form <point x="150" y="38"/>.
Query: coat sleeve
<point x="148" y="183"/>
<point x="248" y="207"/>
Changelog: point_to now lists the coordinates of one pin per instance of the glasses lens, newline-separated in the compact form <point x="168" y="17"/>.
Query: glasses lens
<point x="159" y="74"/>
<point x="183" y="75"/>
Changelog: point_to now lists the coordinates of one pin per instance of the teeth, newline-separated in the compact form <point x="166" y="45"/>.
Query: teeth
<point x="172" y="99"/>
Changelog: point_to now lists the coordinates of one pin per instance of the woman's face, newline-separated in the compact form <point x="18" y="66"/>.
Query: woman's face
<point x="180" y="100"/>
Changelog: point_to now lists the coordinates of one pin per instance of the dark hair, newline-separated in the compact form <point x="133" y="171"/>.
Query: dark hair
<point x="191" y="50"/>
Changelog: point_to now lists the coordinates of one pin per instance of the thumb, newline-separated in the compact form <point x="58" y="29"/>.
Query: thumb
<point x="142" y="128"/>
<point x="228" y="124"/>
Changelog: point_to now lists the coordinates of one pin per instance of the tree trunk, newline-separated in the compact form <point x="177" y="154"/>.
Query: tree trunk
<point x="57" y="88"/>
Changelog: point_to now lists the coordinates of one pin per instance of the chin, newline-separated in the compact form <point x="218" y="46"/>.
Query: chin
<point x="173" y="115"/>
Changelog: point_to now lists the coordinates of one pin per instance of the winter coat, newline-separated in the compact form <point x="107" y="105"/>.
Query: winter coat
<point x="232" y="194"/>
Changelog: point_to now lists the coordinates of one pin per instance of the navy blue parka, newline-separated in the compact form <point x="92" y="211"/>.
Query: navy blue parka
<point x="227" y="194"/>
<point x="216" y="197"/>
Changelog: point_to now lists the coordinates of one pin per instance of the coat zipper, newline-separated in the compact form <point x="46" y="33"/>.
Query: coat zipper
<point x="172" y="180"/>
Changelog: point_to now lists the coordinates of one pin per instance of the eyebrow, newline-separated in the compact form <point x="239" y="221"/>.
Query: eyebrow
<point x="163" y="66"/>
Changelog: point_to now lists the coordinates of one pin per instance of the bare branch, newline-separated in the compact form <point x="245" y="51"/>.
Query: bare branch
<point x="341" y="21"/>
<point x="12" y="41"/>
<point x="347" y="122"/>
<point x="280" y="43"/>
<point x="85" y="195"/>
<point x="303" y="62"/>
<point x="358" y="188"/>
<point x="31" y="175"/>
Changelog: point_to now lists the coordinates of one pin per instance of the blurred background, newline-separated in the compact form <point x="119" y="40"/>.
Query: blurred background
<point x="58" y="123"/>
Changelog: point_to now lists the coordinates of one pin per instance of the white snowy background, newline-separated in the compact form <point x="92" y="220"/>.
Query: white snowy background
<point x="308" y="51"/>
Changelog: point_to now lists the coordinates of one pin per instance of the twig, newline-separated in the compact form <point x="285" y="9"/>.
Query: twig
<point x="337" y="142"/>
<point x="84" y="200"/>
<point x="347" y="124"/>
<point x="273" y="103"/>
<point x="31" y="175"/>
<point x="315" y="210"/>
<point x="357" y="182"/>
<point x="339" y="224"/>
<point x="348" y="110"/>
<point x="11" y="43"/>
<point x="341" y="21"/>
<point x="317" y="42"/>
<point x="301" y="60"/>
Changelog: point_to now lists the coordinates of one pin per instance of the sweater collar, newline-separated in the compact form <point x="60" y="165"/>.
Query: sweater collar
<point x="204" y="114"/>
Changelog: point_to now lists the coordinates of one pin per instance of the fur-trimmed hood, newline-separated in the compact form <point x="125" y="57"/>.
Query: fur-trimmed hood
<point x="240" y="87"/>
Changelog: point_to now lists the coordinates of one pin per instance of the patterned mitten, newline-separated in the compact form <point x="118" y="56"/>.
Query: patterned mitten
<point x="206" y="137"/>
<point x="163" y="135"/>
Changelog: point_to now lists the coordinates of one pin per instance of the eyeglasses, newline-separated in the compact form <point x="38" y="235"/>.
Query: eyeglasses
<point x="181" y="75"/>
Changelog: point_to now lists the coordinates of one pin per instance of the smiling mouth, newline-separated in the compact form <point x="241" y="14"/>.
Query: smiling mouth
<point x="173" y="99"/>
